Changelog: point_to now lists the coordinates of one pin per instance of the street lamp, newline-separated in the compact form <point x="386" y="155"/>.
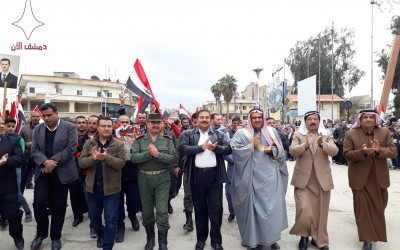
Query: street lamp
<point x="372" y="50"/>
<point x="258" y="71"/>
<point x="105" y="101"/>
<point x="235" y="96"/>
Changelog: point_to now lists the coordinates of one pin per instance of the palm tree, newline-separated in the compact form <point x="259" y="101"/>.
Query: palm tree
<point x="216" y="89"/>
<point x="229" y="87"/>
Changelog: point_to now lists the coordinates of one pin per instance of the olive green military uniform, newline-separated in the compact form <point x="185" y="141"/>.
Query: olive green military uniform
<point x="154" y="179"/>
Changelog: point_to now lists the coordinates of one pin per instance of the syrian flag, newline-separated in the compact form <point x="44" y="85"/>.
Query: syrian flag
<point x="141" y="107"/>
<point x="36" y="109"/>
<point x="20" y="117"/>
<point x="139" y="84"/>
<point x="183" y="113"/>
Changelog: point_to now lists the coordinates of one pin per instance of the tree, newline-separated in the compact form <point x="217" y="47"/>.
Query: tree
<point x="216" y="89"/>
<point x="229" y="87"/>
<point x="384" y="60"/>
<point x="303" y="61"/>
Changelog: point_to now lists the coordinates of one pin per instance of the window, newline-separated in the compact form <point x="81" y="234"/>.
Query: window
<point x="79" y="92"/>
<point x="244" y="107"/>
<point x="31" y="90"/>
<point x="98" y="93"/>
<point x="245" y="118"/>
<point x="59" y="91"/>
<point x="109" y="94"/>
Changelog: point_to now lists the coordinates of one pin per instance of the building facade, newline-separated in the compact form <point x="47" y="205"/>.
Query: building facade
<point x="75" y="96"/>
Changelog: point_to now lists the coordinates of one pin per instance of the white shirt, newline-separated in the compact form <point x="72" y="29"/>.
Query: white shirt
<point x="206" y="159"/>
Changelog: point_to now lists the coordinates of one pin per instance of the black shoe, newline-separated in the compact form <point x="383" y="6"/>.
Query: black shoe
<point x="55" y="244"/>
<point x="231" y="217"/>
<point x="19" y="243"/>
<point x="99" y="242"/>
<point x="76" y="222"/>
<point x="189" y="221"/>
<point x="275" y="246"/>
<point x="4" y="225"/>
<point x="120" y="236"/>
<point x="216" y="246"/>
<point x="135" y="223"/>
<point x="93" y="233"/>
<point x="37" y="242"/>
<point x="170" y="209"/>
<point x="367" y="246"/>
<point x="200" y="245"/>
<point x="29" y="186"/>
<point x="303" y="243"/>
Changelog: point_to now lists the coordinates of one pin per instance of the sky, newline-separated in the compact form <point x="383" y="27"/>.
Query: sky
<point x="185" y="46"/>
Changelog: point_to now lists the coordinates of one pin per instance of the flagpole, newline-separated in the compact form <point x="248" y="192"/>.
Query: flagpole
<point x="4" y="99"/>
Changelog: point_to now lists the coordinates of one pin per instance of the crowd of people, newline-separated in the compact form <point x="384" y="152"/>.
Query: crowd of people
<point x="110" y="166"/>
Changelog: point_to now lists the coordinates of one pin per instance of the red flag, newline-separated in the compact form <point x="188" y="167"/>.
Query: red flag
<point x="143" y="78"/>
<point x="141" y="107"/>
<point x="13" y="111"/>
<point x="184" y="113"/>
<point x="36" y="109"/>
<point x="197" y="110"/>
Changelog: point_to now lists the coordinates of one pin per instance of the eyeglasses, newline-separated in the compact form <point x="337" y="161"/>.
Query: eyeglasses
<point x="105" y="126"/>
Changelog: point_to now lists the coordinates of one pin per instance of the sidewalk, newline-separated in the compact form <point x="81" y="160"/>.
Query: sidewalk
<point x="341" y="225"/>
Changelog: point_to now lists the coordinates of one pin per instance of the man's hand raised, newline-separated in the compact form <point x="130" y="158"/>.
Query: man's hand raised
<point x="205" y="144"/>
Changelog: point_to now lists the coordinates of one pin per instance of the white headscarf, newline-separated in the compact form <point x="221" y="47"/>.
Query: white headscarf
<point x="303" y="128"/>
<point x="264" y="129"/>
<point x="378" y="119"/>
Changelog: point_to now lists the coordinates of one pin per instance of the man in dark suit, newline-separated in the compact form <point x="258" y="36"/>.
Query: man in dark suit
<point x="6" y="75"/>
<point x="205" y="148"/>
<point x="53" y="149"/>
<point x="11" y="157"/>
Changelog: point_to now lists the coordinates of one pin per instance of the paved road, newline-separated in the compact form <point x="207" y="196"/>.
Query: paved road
<point x="341" y="225"/>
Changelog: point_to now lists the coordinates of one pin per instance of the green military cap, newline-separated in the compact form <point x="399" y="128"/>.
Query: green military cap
<point x="154" y="117"/>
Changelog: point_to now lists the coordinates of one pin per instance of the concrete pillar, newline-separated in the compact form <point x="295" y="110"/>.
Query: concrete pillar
<point x="71" y="107"/>
<point x="88" y="107"/>
<point x="28" y="105"/>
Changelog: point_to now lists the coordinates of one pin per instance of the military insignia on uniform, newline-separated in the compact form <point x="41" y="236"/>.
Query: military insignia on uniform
<point x="167" y="136"/>
<point x="139" y="137"/>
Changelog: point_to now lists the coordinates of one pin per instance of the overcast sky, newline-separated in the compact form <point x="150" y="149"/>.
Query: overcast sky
<point x="185" y="46"/>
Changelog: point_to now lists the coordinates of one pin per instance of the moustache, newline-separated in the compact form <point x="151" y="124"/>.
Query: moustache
<point x="312" y="124"/>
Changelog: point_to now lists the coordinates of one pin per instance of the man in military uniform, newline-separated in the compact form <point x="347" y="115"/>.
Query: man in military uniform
<point x="154" y="152"/>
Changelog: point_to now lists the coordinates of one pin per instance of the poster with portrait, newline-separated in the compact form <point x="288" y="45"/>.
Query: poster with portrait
<point x="9" y="70"/>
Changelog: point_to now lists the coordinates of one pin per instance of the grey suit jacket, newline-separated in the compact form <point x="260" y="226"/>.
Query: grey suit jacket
<point x="65" y="144"/>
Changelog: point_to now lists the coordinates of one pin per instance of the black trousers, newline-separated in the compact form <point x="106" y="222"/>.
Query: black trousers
<point x="178" y="182"/>
<point x="207" y="203"/>
<point x="27" y="172"/>
<point x="173" y="184"/>
<point x="78" y="200"/>
<point x="9" y="209"/>
<point x="50" y="193"/>
<point x="130" y="190"/>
